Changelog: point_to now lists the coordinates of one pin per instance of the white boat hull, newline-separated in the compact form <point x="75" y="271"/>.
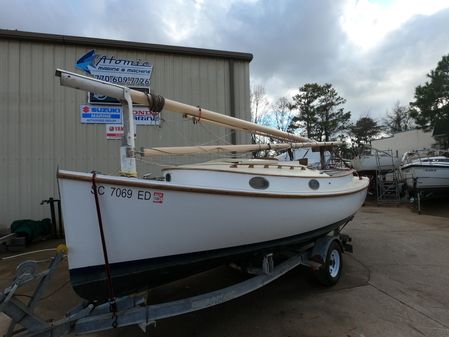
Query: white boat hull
<point x="426" y="178"/>
<point x="159" y="222"/>
<point x="371" y="163"/>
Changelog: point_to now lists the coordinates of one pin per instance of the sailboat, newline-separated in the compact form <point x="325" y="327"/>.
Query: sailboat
<point x="138" y="233"/>
<point x="372" y="159"/>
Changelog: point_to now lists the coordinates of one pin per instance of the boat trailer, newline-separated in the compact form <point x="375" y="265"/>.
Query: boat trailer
<point x="323" y="256"/>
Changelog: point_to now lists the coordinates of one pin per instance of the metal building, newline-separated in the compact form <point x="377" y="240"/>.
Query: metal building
<point x="405" y="141"/>
<point x="40" y="128"/>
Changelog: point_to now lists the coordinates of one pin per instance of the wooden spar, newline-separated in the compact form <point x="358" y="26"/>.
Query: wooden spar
<point x="231" y="121"/>
<point x="117" y="91"/>
<point x="186" y="150"/>
<point x="203" y="120"/>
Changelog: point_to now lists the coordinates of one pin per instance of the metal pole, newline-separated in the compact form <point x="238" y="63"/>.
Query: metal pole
<point x="51" y="201"/>
<point x="322" y="158"/>
<point x="419" y="203"/>
<point x="127" y="150"/>
<point x="60" y="221"/>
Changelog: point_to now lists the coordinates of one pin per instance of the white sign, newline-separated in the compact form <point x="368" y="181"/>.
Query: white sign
<point x="91" y="114"/>
<point x="143" y="116"/>
<point x="134" y="73"/>
<point x="114" y="131"/>
<point x="110" y="114"/>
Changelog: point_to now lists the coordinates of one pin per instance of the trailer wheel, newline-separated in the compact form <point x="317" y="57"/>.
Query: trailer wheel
<point x="330" y="271"/>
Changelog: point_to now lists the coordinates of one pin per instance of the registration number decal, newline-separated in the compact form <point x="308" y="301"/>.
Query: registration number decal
<point x="128" y="193"/>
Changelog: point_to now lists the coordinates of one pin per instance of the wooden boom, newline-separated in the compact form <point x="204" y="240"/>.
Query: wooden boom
<point x="186" y="150"/>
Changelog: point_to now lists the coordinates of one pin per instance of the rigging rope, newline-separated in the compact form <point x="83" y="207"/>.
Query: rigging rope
<point x="218" y="138"/>
<point x="199" y="114"/>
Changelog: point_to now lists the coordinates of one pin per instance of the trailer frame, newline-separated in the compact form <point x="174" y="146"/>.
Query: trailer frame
<point x="133" y="309"/>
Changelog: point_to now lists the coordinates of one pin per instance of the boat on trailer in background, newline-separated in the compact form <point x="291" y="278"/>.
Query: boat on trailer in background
<point x="426" y="172"/>
<point x="371" y="160"/>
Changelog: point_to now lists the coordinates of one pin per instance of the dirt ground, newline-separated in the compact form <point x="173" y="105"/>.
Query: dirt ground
<point x="394" y="284"/>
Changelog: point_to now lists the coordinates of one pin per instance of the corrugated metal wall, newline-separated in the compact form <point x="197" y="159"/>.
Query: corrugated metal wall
<point x="405" y="141"/>
<point x="40" y="127"/>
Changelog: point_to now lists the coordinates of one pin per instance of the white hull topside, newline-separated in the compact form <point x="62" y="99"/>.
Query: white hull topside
<point x="371" y="163"/>
<point x="423" y="172"/>
<point x="195" y="212"/>
<point x="426" y="177"/>
<point x="426" y="170"/>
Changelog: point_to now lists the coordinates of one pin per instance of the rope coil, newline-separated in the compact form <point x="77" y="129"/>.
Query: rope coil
<point x="155" y="102"/>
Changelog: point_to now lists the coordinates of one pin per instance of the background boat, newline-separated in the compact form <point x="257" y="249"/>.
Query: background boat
<point x="426" y="171"/>
<point x="375" y="160"/>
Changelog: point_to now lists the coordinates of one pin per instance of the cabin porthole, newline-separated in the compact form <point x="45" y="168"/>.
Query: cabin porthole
<point x="168" y="177"/>
<point x="259" y="183"/>
<point x="314" y="184"/>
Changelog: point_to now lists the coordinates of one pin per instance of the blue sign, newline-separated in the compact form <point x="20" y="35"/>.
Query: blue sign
<point x="100" y="114"/>
<point x="86" y="61"/>
<point x="131" y="73"/>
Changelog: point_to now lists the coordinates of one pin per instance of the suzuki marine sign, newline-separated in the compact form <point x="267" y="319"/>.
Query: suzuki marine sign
<point x="100" y="114"/>
<point x="103" y="114"/>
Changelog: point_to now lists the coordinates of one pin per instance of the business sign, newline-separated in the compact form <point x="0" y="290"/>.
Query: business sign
<point x="114" y="131"/>
<point x="130" y="73"/>
<point x="104" y="114"/>
<point x="143" y="116"/>
<point x="94" y="98"/>
<point x="100" y="114"/>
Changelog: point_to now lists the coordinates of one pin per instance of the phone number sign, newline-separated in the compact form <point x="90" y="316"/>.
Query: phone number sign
<point x="136" y="73"/>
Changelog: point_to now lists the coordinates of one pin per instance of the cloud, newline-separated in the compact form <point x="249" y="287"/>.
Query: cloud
<point x="374" y="80"/>
<point x="374" y="53"/>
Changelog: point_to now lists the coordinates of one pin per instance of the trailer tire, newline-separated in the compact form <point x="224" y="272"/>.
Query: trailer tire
<point x="330" y="272"/>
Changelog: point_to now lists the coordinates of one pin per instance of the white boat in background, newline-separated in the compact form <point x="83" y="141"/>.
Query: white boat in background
<point x="375" y="160"/>
<point x="195" y="216"/>
<point x="426" y="171"/>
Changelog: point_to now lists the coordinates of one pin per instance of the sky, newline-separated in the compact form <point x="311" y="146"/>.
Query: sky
<point x="374" y="52"/>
